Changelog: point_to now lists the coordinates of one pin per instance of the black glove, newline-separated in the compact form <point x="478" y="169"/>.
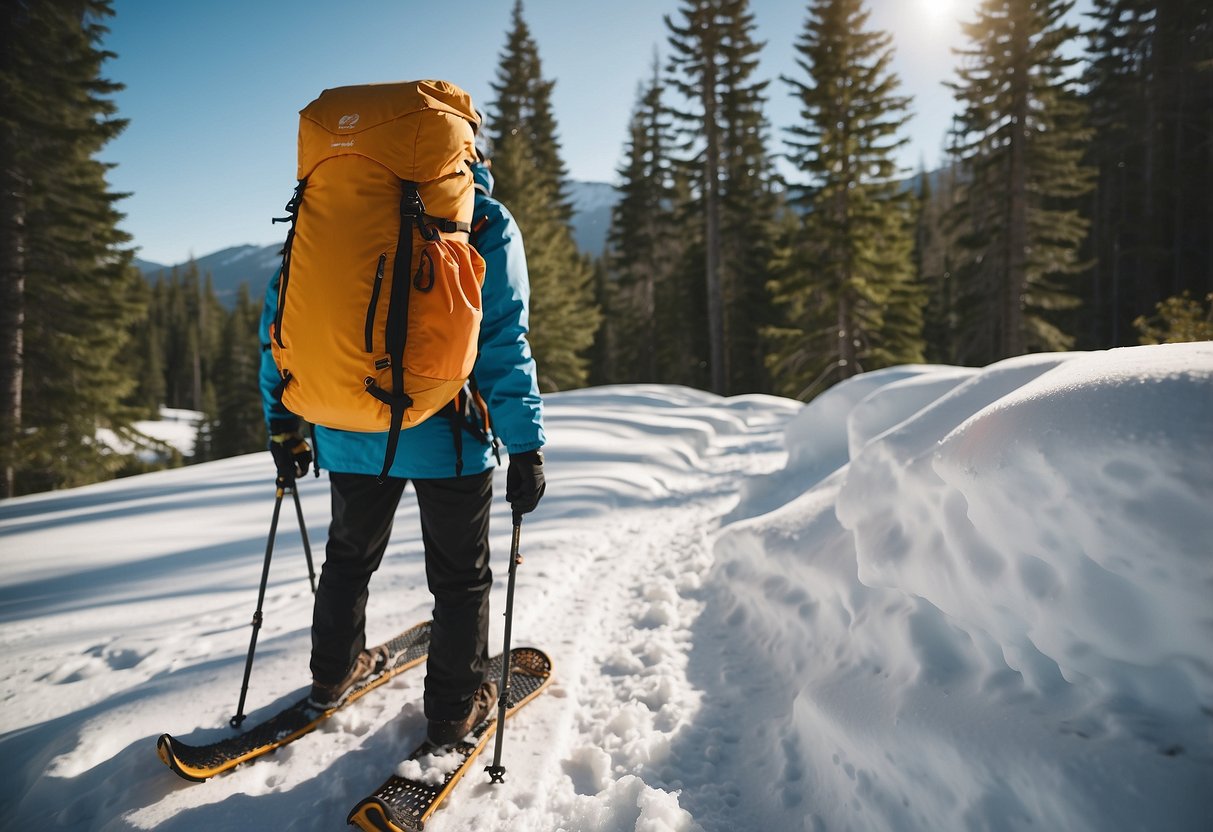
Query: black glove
<point x="524" y="481"/>
<point x="292" y="456"/>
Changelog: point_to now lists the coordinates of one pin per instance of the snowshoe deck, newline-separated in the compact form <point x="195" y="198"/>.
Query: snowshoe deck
<point x="403" y="804"/>
<point x="200" y="762"/>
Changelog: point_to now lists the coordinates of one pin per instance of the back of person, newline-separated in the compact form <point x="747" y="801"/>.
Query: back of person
<point x="449" y="459"/>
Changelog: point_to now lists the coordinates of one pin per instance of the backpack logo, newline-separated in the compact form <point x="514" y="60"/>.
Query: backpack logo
<point x="347" y="122"/>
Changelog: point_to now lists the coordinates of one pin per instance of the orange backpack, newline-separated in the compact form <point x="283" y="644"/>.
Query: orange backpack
<point x="379" y="300"/>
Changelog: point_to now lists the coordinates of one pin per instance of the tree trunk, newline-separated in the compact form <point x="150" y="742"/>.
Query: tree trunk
<point x="12" y="323"/>
<point x="711" y="204"/>
<point x="1015" y="280"/>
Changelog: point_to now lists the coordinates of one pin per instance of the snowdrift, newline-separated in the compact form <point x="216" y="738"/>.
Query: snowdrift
<point x="998" y="611"/>
<point x="934" y="598"/>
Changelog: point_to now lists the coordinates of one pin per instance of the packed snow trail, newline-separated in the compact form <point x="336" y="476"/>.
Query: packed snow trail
<point x="613" y="562"/>
<point x="620" y="597"/>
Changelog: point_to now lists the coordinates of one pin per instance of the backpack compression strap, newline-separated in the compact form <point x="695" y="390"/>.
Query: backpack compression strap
<point x="292" y="210"/>
<point x="469" y="412"/>
<point x="412" y="213"/>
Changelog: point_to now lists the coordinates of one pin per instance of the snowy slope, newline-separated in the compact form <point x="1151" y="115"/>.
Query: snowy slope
<point x="935" y="598"/>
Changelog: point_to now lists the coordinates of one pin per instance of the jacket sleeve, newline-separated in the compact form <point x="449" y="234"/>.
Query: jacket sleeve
<point x="277" y="418"/>
<point x="505" y="371"/>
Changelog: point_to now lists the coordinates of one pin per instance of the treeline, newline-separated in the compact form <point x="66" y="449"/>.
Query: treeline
<point x="88" y="346"/>
<point x="68" y="294"/>
<point x="1073" y="210"/>
<point x="194" y="353"/>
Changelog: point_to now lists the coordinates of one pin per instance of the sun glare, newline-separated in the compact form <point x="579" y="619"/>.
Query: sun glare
<point x="939" y="12"/>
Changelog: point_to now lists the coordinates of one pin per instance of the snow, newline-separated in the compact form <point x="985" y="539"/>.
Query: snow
<point x="176" y="428"/>
<point x="431" y="769"/>
<point x="934" y="598"/>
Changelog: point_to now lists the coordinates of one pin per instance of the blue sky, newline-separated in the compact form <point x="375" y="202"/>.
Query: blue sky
<point x="213" y="89"/>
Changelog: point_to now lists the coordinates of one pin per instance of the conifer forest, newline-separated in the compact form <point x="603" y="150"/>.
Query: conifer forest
<point x="1072" y="210"/>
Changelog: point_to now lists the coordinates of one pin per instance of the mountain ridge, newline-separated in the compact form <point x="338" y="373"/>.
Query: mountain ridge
<point x="253" y="264"/>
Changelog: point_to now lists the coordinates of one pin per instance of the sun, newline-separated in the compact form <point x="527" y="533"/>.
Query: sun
<point x="939" y="12"/>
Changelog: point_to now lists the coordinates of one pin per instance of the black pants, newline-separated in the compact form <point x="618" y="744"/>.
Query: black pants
<point x="455" y="531"/>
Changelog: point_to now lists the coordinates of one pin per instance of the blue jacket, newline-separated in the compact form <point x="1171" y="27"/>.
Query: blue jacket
<point x="504" y="370"/>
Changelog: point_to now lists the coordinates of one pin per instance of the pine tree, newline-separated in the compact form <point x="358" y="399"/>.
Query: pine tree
<point x="1181" y="84"/>
<point x="530" y="181"/>
<point x="67" y="288"/>
<point x="749" y="203"/>
<point x="190" y="321"/>
<point x="237" y="425"/>
<point x="146" y="357"/>
<point x="1116" y="77"/>
<point x="681" y="302"/>
<point x="1020" y="139"/>
<point x="1180" y="319"/>
<point x="851" y="289"/>
<point x="695" y="70"/>
<point x="934" y="255"/>
<point x="1149" y="81"/>
<point x="522" y="113"/>
<point x="712" y="64"/>
<point x="642" y="248"/>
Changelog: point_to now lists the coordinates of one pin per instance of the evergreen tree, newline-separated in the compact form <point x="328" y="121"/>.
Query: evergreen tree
<point x="237" y="425"/>
<point x="681" y="302"/>
<point x="530" y="181"/>
<point x="1177" y="320"/>
<point x="1149" y="81"/>
<point x="1116" y="77"/>
<point x="934" y="248"/>
<point x="642" y="246"/>
<point x="203" y="357"/>
<point x="67" y="288"/>
<point x="1020" y="139"/>
<point x="850" y="290"/>
<point x="146" y="356"/>
<point x="604" y="367"/>
<point x="522" y="114"/>
<point x="191" y="319"/>
<point x="712" y="64"/>
<point x="186" y="325"/>
<point x="749" y="204"/>
<point x="695" y="74"/>
<point x="1181" y="85"/>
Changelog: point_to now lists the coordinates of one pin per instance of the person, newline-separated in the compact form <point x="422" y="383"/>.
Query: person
<point x="449" y="459"/>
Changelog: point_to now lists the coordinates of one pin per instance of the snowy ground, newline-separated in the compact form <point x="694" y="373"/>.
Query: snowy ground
<point x="176" y="429"/>
<point x="936" y="598"/>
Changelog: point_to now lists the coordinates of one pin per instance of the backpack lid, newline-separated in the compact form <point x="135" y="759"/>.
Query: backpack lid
<point x="421" y="130"/>
<point x="351" y="110"/>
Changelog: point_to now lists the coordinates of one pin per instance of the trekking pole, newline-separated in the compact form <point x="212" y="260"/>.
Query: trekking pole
<point x="238" y="719"/>
<point x="307" y="547"/>
<point x="497" y="770"/>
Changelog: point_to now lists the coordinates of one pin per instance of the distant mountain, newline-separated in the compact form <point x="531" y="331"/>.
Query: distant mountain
<point x="228" y="269"/>
<point x="148" y="267"/>
<point x="592" y="203"/>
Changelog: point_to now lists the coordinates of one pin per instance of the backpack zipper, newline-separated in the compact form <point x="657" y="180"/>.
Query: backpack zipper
<point x="370" y="311"/>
